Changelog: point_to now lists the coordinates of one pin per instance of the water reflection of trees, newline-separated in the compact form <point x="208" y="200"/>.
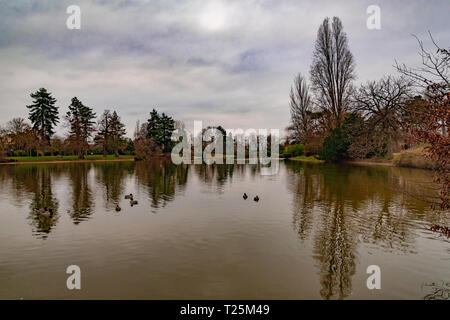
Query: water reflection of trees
<point x="436" y="290"/>
<point x="82" y="198"/>
<point x="111" y="175"/>
<point x="384" y="209"/>
<point x="334" y="248"/>
<point x="343" y="206"/>
<point x="335" y="241"/>
<point x="43" y="198"/>
<point x="33" y="183"/>
<point x="304" y="184"/>
<point x="215" y="176"/>
<point x="161" y="179"/>
<point x="20" y="181"/>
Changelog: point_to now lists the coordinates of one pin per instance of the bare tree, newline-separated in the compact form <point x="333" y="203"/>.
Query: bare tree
<point x="3" y="142"/>
<point x="145" y="147"/>
<point x="332" y="70"/>
<point x="137" y="129"/>
<point x="435" y="67"/>
<point x="434" y="116"/>
<point x="17" y="129"/>
<point x="104" y="131"/>
<point x="178" y="124"/>
<point x="117" y="137"/>
<point x="383" y="103"/>
<point x="301" y="110"/>
<point x="17" y="126"/>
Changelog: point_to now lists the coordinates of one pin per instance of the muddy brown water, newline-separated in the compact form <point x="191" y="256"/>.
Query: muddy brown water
<point x="312" y="235"/>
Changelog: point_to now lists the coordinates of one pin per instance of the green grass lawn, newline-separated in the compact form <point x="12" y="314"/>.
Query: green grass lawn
<point x="68" y="158"/>
<point x="307" y="159"/>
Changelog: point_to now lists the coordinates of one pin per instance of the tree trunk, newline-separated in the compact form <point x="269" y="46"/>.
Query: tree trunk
<point x="389" y="147"/>
<point x="105" y="143"/>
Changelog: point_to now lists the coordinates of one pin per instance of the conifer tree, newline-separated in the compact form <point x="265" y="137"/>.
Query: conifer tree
<point x="43" y="114"/>
<point x="80" y="120"/>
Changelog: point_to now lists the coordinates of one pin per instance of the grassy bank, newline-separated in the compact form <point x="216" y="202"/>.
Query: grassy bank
<point x="306" y="159"/>
<point x="69" y="158"/>
<point x="413" y="158"/>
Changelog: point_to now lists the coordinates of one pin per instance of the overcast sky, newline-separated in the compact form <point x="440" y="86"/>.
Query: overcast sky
<point x="223" y="62"/>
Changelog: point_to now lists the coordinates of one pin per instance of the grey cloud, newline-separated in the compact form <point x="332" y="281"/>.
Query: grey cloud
<point x="224" y="62"/>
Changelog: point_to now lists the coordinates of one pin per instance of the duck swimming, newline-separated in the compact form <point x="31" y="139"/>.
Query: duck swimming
<point x="256" y="198"/>
<point x="129" y="196"/>
<point x="245" y="196"/>
<point x="118" y="208"/>
<point x="133" y="202"/>
<point x="45" y="212"/>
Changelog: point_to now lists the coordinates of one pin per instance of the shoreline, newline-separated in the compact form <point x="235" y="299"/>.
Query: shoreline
<point x="316" y="161"/>
<point x="306" y="159"/>
<point x="66" y="161"/>
<point x="353" y="162"/>
<point x="375" y="163"/>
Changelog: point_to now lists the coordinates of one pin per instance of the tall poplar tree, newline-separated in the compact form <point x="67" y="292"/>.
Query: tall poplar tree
<point x="104" y="131"/>
<point x="332" y="71"/>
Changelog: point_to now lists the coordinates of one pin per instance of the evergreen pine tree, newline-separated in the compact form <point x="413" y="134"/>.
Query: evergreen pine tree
<point x="159" y="129"/>
<point x="80" y="119"/>
<point x="167" y="125"/>
<point x="43" y="114"/>
<point x="117" y="133"/>
<point x="153" y="127"/>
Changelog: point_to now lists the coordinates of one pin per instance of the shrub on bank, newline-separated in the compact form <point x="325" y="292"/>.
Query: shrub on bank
<point x="334" y="147"/>
<point x="20" y="153"/>
<point x="293" y="150"/>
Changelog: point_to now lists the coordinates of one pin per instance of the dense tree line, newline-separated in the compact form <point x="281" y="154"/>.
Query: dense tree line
<point x="85" y="135"/>
<point x="37" y="137"/>
<point x="154" y="136"/>
<point x="110" y="133"/>
<point x="338" y="121"/>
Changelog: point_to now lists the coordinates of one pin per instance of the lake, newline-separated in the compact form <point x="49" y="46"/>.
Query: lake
<point x="312" y="235"/>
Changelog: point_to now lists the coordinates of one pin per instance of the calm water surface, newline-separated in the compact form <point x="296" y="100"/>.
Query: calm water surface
<point x="311" y="236"/>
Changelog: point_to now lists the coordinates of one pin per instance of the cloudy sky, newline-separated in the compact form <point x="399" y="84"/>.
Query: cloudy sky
<point x="222" y="62"/>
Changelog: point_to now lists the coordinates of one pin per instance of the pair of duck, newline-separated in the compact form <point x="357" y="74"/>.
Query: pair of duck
<point x="130" y="197"/>
<point x="245" y="196"/>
